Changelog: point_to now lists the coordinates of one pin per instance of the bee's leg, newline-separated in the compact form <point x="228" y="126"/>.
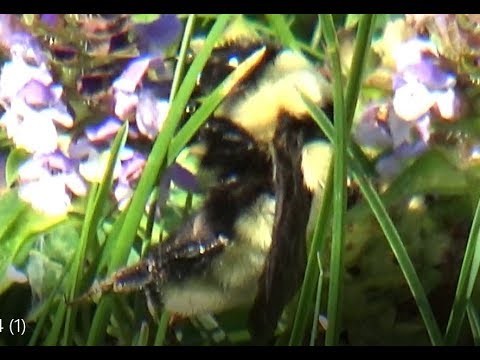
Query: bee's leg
<point x="153" y="299"/>
<point x="126" y="280"/>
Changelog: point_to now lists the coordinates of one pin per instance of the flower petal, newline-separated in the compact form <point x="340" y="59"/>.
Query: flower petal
<point x="412" y="100"/>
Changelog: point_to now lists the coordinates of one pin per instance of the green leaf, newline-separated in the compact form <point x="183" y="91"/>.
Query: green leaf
<point x="15" y="158"/>
<point x="19" y="223"/>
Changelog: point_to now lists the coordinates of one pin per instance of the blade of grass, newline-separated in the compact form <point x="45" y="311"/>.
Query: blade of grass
<point x="177" y="77"/>
<point x="282" y="29"/>
<point x="311" y="272"/>
<point x="93" y="215"/>
<point x="317" y="34"/>
<point x="472" y="279"/>
<point x="182" y="56"/>
<point x="388" y="228"/>
<point x="100" y="320"/>
<point x="39" y="326"/>
<point x="339" y="184"/>
<point x="162" y="329"/>
<point x="474" y="322"/>
<point x="54" y="333"/>
<point x="142" y="339"/>
<point x="157" y="155"/>
<point x="357" y="69"/>
<point x="318" y="299"/>
<point x="210" y="103"/>
<point x="135" y="211"/>
<point x="353" y="88"/>
<point x="463" y="292"/>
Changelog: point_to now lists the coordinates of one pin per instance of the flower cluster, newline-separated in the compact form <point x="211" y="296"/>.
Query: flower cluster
<point x="456" y="39"/>
<point x="39" y="120"/>
<point x="35" y="116"/>
<point x="423" y="92"/>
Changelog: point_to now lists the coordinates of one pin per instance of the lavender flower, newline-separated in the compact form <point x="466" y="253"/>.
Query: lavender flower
<point x="422" y="92"/>
<point x="37" y="119"/>
<point x="32" y="102"/>
<point x="151" y="113"/>
<point x="46" y="182"/>
<point x="155" y="37"/>
<point x="131" y="169"/>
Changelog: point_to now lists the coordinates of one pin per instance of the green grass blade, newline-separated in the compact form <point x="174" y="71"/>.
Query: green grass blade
<point x="472" y="279"/>
<point x="210" y="103"/>
<point x="317" y="34"/>
<point x="359" y="61"/>
<point x="312" y="271"/>
<point x="93" y="215"/>
<point x="388" y="228"/>
<point x="463" y="292"/>
<point x="339" y="184"/>
<point x="142" y="339"/>
<point x="159" y="151"/>
<point x="318" y="299"/>
<point x="162" y="329"/>
<point x="97" y="332"/>
<point x="474" y="322"/>
<point x="281" y="28"/>
<point x="54" y="333"/>
<point x="39" y="325"/>
<point x="182" y="55"/>
<point x="126" y="235"/>
<point x="177" y="78"/>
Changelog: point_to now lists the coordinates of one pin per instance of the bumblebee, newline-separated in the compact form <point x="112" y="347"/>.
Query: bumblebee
<point x="267" y="160"/>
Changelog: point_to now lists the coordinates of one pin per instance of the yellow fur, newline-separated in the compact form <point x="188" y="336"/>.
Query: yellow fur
<point x="288" y="76"/>
<point x="316" y="159"/>
<point x="232" y="278"/>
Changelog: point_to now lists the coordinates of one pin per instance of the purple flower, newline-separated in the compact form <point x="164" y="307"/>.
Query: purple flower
<point x="412" y="100"/>
<point x="51" y="20"/>
<point x="46" y="182"/>
<point x="131" y="169"/>
<point x="16" y="74"/>
<point x="30" y="117"/>
<point x="125" y="86"/>
<point x="30" y="130"/>
<point x="420" y="82"/>
<point x="104" y="131"/>
<point x="9" y="25"/>
<point x="133" y="74"/>
<point x="422" y="92"/>
<point x="151" y="113"/>
<point x="389" y="166"/>
<point x="373" y="130"/>
<point x="412" y="52"/>
<point x="27" y="48"/>
<point x="155" y="37"/>
<point x="32" y="102"/>
<point x="130" y="99"/>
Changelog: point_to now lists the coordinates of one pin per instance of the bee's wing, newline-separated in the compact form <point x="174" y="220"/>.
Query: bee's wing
<point x="285" y="265"/>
